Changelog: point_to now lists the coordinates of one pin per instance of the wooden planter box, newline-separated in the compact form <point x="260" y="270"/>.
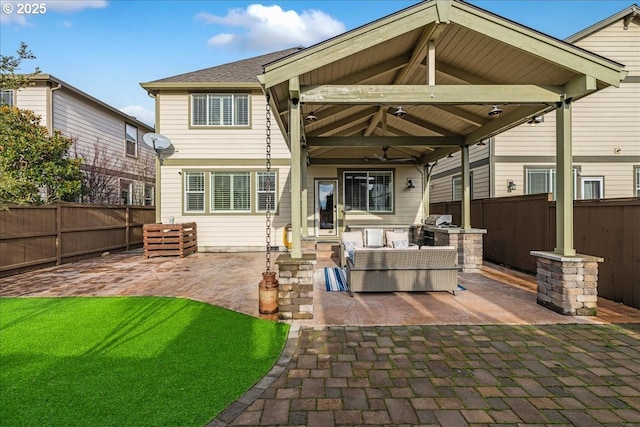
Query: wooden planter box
<point x="170" y="239"/>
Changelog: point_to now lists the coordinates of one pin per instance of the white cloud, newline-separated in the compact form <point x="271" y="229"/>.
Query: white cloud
<point x="75" y="5"/>
<point x="265" y="28"/>
<point x="141" y="113"/>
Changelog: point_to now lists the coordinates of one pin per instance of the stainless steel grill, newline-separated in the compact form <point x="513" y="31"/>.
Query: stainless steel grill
<point x="434" y="221"/>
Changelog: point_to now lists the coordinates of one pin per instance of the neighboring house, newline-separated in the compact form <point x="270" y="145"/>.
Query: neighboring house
<point x="357" y="122"/>
<point x="606" y="134"/>
<point x="119" y="168"/>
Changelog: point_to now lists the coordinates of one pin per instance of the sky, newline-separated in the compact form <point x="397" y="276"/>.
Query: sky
<point x="106" y="48"/>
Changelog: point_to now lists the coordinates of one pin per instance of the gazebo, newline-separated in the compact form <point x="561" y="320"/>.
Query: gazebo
<point x="427" y="81"/>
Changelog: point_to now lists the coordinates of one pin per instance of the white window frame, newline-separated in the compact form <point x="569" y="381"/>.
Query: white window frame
<point x="637" y="175"/>
<point x="7" y="94"/>
<point x="235" y="206"/>
<point x="368" y="177"/>
<point x="126" y="187"/>
<point x="552" y="178"/>
<point x="263" y="191"/>
<point x="585" y="179"/>
<point x="230" y="114"/>
<point x="456" y="183"/>
<point x="188" y="191"/>
<point x="130" y="139"/>
<point x="149" y="194"/>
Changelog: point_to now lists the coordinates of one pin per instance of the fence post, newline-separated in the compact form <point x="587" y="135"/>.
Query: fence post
<point x="58" y="235"/>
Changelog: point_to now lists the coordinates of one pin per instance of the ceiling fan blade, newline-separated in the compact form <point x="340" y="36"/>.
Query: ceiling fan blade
<point x="379" y="157"/>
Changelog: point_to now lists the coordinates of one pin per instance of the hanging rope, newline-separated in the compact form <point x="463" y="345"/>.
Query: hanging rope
<point x="268" y="184"/>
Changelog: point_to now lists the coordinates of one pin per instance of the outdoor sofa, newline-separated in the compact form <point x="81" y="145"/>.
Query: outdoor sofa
<point x="430" y="268"/>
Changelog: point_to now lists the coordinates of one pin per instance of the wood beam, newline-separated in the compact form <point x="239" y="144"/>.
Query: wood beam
<point x="580" y="86"/>
<point x="564" y="186"/>
<point x="390" y="141"/>
<point x="462" y="75"/>
<point x="506" y="121"/>
<point x="463" y="115"/>
<point x="296" y="171"/>
<point x="335" y="127"/>
<point x="433" y="95"/>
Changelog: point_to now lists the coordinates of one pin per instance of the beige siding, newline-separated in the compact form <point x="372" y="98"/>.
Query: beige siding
<point x="34" y="98"/>
<point x="197" y="143"/>
<point x="225" y="232"/>
<point x="614" y="42"/>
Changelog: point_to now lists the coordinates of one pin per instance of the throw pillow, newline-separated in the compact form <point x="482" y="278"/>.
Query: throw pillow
<point x="400" y="244"/>
<point x="350" y="247"/>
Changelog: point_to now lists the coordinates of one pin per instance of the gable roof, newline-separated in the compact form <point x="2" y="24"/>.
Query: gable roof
<point x="446" y="62"/>
<point x="239" y="73"/>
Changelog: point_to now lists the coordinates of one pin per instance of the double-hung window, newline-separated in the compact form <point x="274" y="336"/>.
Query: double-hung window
<point x="264" y="191"/>
<point x="213" y="109"/>
<point x="131" y="140"/>
<point x="194" y="192"/>
<point x="368" y="191"/>
<point x="230" y="192"/>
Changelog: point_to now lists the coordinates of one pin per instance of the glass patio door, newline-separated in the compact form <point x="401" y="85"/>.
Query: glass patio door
<point x="326" y="208"/>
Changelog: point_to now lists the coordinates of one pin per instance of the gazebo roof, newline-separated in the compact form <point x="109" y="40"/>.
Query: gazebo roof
<point x="446" y="63"/>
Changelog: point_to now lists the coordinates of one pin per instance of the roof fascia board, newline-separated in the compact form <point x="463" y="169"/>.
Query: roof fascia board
<point x="122" y="115"/>
<point x="545" y="47"/>
<point x="198" y="85"/>
<point x="350" y="43"/>
<point x="433" y="95"/>
<point x="604" y="23"/>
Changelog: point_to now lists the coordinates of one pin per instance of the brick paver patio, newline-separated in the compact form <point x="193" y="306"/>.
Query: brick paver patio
<point x="563" y="374"/>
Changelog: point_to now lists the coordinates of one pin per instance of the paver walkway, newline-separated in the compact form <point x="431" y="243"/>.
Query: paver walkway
<point x="564" y="374"/>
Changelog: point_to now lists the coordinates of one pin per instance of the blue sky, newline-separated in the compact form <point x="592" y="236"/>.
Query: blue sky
<point x="107" y="47"/>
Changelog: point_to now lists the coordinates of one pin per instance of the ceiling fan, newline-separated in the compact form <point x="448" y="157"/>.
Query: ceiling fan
<point x="385" y="157"/>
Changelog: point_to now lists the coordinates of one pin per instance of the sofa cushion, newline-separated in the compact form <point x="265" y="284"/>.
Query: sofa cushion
<point x="400" y="244"/>
<point x="397" y="236"/>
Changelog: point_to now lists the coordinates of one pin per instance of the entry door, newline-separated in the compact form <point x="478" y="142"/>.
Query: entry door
<point x="326" y="207"/>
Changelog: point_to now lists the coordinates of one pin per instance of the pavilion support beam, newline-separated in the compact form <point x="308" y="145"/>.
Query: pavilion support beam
<point x="304" y="195"/>
<point x="564" y="184"/>
<point x="296" y="172"/>
<point x="466" y="189"/>
<point x="580" y="86"/>
<point x="439" y="94"/>
<point x="431" y="63"/>
<point x="390" y="141"/>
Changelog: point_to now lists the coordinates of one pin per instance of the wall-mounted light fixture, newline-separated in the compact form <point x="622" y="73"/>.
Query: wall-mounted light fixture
<point x="482" y="143"/>
<point x="410" y="183"/>
<point x="511" y="185"/>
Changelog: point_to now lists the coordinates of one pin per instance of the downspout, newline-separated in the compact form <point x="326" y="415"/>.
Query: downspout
<point x="158" y="165"/>
<point x="50" y="107"/>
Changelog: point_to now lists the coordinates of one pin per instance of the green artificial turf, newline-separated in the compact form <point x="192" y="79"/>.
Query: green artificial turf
<point x="127" y="361"/>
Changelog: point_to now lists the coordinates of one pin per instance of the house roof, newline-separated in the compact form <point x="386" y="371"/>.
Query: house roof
<point x="447" y="63"/>
<point x="234" y="74"/>
<point x="43" y="77"/>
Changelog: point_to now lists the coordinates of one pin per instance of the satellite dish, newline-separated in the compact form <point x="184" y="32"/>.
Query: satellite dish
<point x="156" y="141"/>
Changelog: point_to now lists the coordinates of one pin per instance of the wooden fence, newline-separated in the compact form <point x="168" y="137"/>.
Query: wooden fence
<point x="40" y="236"/>
<point x="608" y="228"/>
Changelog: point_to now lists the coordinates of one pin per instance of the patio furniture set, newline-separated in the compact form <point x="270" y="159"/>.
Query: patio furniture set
<point x="385" y="261"/>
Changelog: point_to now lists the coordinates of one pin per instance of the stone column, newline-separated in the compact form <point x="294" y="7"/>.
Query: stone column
<point x="568" y="284"/>
<point x="295" y="291"/>
<point x="469" y="245"/>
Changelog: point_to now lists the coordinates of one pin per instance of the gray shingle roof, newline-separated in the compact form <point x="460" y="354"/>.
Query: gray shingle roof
<point x="243" y="71"/>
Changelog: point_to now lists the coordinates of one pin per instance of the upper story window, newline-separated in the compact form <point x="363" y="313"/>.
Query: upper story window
<point x="6" y="97"/>
<point x="215" y="109"/>
<point x="368" y="191"/>
<point x="131" y="138"/>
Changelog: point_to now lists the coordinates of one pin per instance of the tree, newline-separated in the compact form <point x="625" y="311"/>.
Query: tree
<point x="34" y="166"/>
<point x="9" y="65"/>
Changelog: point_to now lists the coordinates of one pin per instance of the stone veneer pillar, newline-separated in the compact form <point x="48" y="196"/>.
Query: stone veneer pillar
<point x="568" y="284"/>
<point x="295" y="290"/>
<point x="469" y="245"/>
